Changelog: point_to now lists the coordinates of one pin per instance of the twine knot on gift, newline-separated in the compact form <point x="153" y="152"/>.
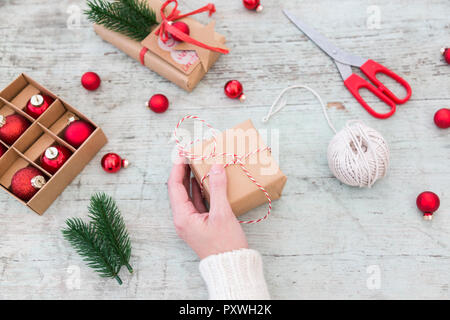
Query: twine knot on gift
<point x="231" y="159"/>
<point x="166" y="27"/>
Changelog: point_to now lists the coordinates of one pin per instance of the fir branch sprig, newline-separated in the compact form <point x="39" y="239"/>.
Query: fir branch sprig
<point x="132" y="18"/>
<point x="109" y="223"/>
<point x="94" y="250"/>
<point x="142" y="9"/>
<point x="104" y="242"/>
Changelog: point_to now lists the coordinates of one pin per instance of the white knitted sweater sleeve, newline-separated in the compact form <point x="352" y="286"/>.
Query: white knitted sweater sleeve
<point x="235" y="275"/>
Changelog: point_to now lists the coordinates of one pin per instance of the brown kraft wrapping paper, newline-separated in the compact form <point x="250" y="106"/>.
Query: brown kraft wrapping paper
<point x="162" y="62"/>
<point x="243" y="194"/>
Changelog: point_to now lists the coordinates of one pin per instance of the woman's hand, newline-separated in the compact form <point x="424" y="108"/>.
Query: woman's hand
<point x="207" y="233"/>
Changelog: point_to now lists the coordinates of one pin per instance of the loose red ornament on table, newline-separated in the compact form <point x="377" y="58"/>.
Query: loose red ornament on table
<point x="38" y="104"/>
<point x="2" y="150"/>
<point x="90" y="81"/>
<point x="12" y="127"/>
<point x="54" y="158"/>
<point x="234" y="90"/>
<point x="183" y="27"/>
<point x="442" y="118"/>
<point x="26" y="183"/>
<point x="112" y="162"/>
<point x="158" y="103"/>
<point x="446" y="53"/>
<point x="77" y="132"/>
<point x="253" y="5"/>
<point x="428" y="202"/>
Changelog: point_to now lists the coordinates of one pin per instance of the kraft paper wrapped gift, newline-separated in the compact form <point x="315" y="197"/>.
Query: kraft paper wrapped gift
<point x="181" y="63"/>
<point x="243" y="194"/>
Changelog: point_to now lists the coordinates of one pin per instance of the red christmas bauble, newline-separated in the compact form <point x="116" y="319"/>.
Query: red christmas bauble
<point x="38" y="104"/>
<point x="77" y="132"/>
<point x="446" y="53"/>
<point x="112" y="162"/>
<point x="54" y="158"/>
<point x="12" y="127"/>
<point x="90" y="81"/>
<point x="183" y="27"/>
<point x="442" y="118"/>
<point x="2" y="150"/>
<point x="158" y="103"/>
<point x="253" y="5"/>
<point x="26" y="182"/>
<point x="234" y="90"/>
<point x="428" y="202"/>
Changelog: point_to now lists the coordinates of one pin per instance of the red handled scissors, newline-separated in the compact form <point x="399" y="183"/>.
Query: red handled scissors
<point x="344" y="61"/>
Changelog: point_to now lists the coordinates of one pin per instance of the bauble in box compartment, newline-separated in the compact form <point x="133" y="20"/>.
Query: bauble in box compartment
<point x="77" y="132"/>
<point x="38" y="104"/>
<point x="2" y="150"/>
<point x="54" y="158"/>
<point x="12" y="127"/>
<point x="26" y="183"/>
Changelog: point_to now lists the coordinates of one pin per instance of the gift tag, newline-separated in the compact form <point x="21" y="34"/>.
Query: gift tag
<point x="184" y="60"/>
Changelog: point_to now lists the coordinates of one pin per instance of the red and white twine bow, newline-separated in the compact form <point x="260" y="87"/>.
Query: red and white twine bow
<point x="235" y="160"/>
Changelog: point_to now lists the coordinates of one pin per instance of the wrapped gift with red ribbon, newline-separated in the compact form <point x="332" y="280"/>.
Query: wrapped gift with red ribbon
<point x="184" y="61"/>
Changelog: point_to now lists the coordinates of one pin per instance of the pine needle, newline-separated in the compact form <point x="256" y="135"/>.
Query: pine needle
<point x="92" y="248"/>
<point x="142" y="9"/>
<point x="109" y="224"/>
<point x="132" y="18"/>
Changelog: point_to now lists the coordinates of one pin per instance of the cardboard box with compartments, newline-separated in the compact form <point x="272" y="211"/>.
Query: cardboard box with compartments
<point x="45" y="131"/>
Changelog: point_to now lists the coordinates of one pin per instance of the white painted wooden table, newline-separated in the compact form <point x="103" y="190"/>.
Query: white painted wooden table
<point x="324" y="240"/>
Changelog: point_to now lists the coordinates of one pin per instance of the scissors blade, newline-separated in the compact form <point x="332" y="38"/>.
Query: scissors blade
<point x="334" y="52"/>
<point x="344" y="69"/>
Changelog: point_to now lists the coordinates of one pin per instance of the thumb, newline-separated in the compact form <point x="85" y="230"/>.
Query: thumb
<point x="218" y="190"/>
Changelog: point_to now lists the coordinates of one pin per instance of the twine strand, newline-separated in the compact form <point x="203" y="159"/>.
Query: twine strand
<point x="357" y="155"/>
<point x="283" y="103"/>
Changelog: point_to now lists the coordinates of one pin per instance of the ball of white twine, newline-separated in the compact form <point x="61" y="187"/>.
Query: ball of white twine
<point x="357" y="155"/>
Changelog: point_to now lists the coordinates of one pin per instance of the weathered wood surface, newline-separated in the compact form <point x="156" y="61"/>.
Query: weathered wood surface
<point x="323" y="238"/>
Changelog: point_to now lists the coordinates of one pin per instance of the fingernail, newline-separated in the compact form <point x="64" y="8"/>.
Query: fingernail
<point x="216" y="169"/>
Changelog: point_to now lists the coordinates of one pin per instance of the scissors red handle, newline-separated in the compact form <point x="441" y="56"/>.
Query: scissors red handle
<point x="371" y="68"/>
<point x="354" y="83"/>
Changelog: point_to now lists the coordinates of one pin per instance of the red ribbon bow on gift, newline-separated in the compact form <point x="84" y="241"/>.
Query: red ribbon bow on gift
<point x="166" y="27"/>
